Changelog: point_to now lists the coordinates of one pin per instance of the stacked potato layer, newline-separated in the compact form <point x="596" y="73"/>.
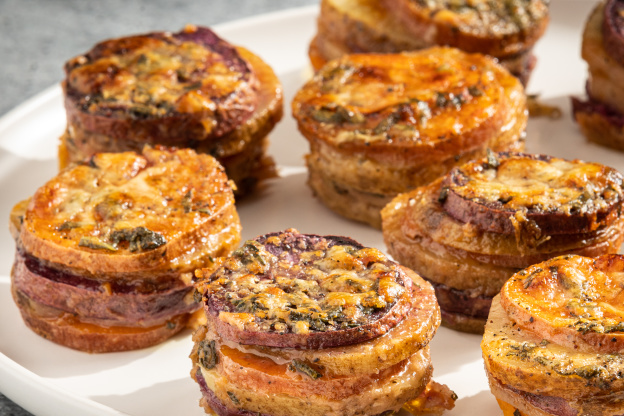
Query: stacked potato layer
<point x="309" y="325"/>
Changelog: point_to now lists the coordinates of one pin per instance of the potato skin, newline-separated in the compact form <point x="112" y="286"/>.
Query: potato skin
<point x="600" y="116"/>
<point x="300" y="272"/>
<point x="123" y="87"/>
<point x="294" y="290"/>
<point x="583" y="311"/>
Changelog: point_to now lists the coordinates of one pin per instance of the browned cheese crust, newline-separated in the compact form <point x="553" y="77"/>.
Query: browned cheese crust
<point x="552" y="195"/>
<point x="305" y="291"/>
<point x="500" y="28"/>
<point x="379" y="125"/>
<point x="106" y="249"/>
<point x="467" y="263"/>
<point x="189" y="89"/>
<point x="552" y="342"/>
<point x="364" y="26"/>
<point x="298" y="296"/>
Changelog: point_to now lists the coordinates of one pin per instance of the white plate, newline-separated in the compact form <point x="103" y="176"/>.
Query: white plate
<point x="48" y="379"/>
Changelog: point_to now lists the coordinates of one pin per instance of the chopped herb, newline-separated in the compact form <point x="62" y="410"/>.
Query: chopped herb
<point x="207" y="354"/>
<point x="336" y="114"/>
<point x="249" y="253"/>
<point x="233" y="398"/>
<point x="194" y="86"/>
<point x="443" y="194"/>
<point x="475" y="91"/>
<point x="302" y="367"/>
<point x="96" y="244"/>
<point x="186" y="201"/>
<point x="385" y="124"/>
<point x="69" y="225"/>
<point x="139" y="238"/>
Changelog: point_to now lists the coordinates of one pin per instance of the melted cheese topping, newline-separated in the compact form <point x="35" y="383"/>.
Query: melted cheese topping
<point x="127" y="202"/>
<point x="152" y="76"/>
<point x="412" y="98"/>
<point x="525" y="360"/>
<point x="573" y="300"/>
<point x="481" y="17"/>
<point x="552" y="185"/>
<point x="313" y="284"/>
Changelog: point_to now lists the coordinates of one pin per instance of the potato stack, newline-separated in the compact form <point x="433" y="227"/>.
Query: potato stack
<point x="301" y="324"/>
<point x="554" y="340"/>
<point x="504" y="30"/>
<point x="187" y="89"/>
<point x="601" y="116"/>
<point x="106" y="249"/>
<point x="379" y="125"/>
<point x="471" y="230"/>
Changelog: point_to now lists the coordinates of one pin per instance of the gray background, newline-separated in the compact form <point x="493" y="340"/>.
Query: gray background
<point x="38" y="36"/>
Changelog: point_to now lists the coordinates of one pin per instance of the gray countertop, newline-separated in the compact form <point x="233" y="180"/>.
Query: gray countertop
<point x="38" y="36"/>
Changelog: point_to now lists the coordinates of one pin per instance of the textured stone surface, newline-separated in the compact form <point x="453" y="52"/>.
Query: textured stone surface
<point x="38" y="36"/>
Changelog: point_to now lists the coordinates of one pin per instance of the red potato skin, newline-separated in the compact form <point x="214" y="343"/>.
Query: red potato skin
<point x="492" y="216"/>
<point x="380" y="323"/>
<point x="95" y="303"/>
<point x="613" y="29"/>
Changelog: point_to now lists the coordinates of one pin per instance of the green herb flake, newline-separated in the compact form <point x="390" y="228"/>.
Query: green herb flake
<point x="194" y="86"/>
<point x="96" y="244"/>
<point x="304" y="368"/>
<point x="233" y="398"/>
<point x="69" y="225"/>
<point x="207" y="354"/>
<point x="139" y="238"/>
<point x="186" y="201"/>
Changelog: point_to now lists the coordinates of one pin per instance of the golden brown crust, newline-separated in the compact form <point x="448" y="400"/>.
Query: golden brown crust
<point x="126" y="191"/>
<point x="160" y="88"/>
<point x="364" y="26"/>
<point x="366" y="147"/>
<point x="293" y="290"/>
<point x="543" y="378"/>
<point x="287" y="282"/>
<point x="406" y="338"/>
<point x="494" y="28"/>
<point x="241" y="149"/>
<point x="462" y="256"/>
<point x="106" y="249"/>
<point x="570" y="300"/>
<point x="554" y="195"/>
<point x="425" y="217"/>
<point x="374" y="105"/>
